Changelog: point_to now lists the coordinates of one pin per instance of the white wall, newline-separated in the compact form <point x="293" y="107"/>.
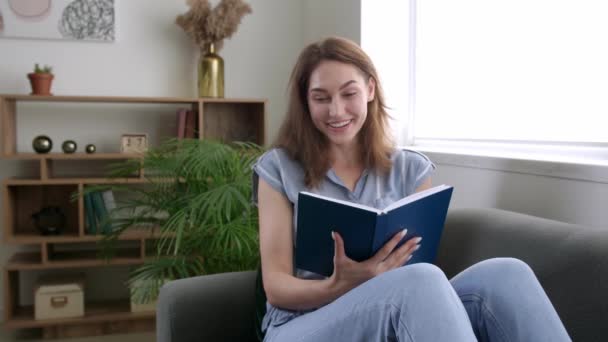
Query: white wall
<point x="332" y="18"/>
<point x="567" y="200"/>
<point x="385" y="39"/>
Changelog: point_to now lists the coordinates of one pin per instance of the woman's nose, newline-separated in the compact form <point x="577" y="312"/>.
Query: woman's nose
<point x="336" y="107"/>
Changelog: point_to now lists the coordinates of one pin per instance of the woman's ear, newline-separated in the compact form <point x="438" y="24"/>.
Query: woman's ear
<point x="371" y="89"/>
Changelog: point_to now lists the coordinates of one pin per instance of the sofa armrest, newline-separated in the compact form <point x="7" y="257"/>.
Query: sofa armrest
<point x="570" y="261"/>
<point x="217" y="307"/>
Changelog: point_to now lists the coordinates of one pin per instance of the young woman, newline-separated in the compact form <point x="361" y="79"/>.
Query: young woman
<point x="334" y="142"/>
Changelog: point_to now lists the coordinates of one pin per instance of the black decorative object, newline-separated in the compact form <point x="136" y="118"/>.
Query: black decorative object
<point x="69" y="146"/>
<point x="90" y="148"/>
<point x="42" y="144"/>
<point x="49" y="220"/>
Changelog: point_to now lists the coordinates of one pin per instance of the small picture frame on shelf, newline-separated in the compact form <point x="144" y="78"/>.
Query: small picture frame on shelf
<point x="134" y="143"/>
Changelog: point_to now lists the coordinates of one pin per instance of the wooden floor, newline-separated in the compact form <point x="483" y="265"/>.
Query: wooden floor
<point x="11" y="336"/>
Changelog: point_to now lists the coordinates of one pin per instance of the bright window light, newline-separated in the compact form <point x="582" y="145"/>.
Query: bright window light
<point x="386" y="38"/>
<point x="518" y="70"/>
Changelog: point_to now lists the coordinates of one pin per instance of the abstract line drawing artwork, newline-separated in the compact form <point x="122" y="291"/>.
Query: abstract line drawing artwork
<point x="88" y="19"/>
<point x="79" y="20"/>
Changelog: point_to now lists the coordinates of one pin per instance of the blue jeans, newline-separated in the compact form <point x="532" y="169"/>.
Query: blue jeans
<point x="496" y="300"/>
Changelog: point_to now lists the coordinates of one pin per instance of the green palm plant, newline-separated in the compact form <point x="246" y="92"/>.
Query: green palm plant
<point x="197" y="199"/>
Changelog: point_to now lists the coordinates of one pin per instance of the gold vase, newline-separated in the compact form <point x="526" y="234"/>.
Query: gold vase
<point x="211" y="74"/>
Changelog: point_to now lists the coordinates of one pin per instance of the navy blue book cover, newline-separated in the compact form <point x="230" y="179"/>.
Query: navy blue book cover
<point x="365" y="229"/>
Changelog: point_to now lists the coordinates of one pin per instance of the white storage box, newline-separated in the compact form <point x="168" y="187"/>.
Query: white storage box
<point x="59" y="297"/>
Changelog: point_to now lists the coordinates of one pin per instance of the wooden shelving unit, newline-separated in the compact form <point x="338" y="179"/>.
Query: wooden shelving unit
<point x="223" y="119"/>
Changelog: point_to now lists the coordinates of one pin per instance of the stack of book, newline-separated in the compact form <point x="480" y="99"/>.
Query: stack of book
<point x="98" y="206"/>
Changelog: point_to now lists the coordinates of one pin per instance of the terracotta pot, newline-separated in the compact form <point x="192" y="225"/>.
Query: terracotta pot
<point x="41" y="83"/>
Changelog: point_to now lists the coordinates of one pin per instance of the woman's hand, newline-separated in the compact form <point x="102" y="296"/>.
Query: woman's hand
<point x="349" y="273"/>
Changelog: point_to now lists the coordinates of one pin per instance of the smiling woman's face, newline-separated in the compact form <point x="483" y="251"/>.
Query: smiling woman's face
<point x="337" y="97"/>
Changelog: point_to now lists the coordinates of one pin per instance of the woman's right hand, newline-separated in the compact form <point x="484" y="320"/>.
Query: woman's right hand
<point x="349" y="273"/>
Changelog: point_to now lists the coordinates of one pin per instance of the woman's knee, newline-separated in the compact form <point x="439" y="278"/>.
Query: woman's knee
<point x="497" y="275"/>
<point x="424" y="271"/>
<point x="417" y="277"/>
<point x="507" y="268"/>
<point x="421" y="270"/>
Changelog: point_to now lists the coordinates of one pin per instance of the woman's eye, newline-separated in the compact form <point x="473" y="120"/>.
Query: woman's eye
<point x="350" y="94"/>
<point x="320" y="99"/>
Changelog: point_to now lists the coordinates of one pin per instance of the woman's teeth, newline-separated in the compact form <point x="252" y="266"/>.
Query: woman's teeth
<point x="339" y="124"/>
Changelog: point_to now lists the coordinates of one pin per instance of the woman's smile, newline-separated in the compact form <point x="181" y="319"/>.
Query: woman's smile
<point x="340" y="126"/>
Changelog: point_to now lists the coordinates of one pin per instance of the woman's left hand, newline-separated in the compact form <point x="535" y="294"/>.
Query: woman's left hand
<point x="349" y="273"/>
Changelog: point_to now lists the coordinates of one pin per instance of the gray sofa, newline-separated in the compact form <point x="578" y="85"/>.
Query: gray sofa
<point x="571" y="262"/>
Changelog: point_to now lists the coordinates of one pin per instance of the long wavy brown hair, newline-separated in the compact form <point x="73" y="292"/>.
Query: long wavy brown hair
<point x="299" y="136"/>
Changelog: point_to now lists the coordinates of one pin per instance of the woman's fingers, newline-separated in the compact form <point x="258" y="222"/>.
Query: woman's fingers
<point x="404" y="253"/>
<point x="387" y="258"/>
<point x="338" y="247"/>
<point x="388" y="247"/>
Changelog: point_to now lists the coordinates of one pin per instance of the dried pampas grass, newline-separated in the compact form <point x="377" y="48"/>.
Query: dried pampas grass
<point x="206" y="25"/>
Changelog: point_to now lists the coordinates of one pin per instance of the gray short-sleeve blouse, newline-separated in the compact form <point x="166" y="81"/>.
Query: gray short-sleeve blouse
<point x="410" y="169"/>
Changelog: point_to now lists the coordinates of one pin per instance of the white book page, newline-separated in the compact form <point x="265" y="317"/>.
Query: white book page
<point x="414" y="197"/>
<point x="351" y="204"/>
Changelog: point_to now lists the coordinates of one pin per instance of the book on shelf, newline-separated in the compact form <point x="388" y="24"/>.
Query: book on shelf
<point x="98" y="207"/>
<point x="365" y="229"/>
<point x="110" y="203"/>
<point x="89" y="214"/>
<point x="181" y="122"/>
<point x="191" y="124"/>
<point x="101" y="213"/>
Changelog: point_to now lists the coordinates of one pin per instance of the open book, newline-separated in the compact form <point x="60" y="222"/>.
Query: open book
<point x="366" y="229"/>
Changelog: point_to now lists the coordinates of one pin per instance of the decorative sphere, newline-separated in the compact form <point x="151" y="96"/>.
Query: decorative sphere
<point x="90" y="148"/>
<point x="69" y="146"/>
<point x="42" y="144"/>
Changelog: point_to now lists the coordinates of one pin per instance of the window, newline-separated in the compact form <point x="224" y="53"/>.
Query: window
<point x="525" y="71"/>
<point x="386" y="36"/>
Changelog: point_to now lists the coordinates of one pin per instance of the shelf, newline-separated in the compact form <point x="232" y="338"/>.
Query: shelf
<point x="23" y="317"/>
<point x="23" y="261"/>
<point x="225" y="119"/>
<point x="33" y="238"/>
<point x="129" y="234"/>
<point x="57" y="178"/>
<point x="74" y="156"/>
<point x="123" y="99"/>
<point x="97" y="99"/>
<point x="74" y="181"/>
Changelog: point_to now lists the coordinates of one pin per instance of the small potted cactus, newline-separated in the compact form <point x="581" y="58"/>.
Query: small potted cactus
<point x="41" y="80"/>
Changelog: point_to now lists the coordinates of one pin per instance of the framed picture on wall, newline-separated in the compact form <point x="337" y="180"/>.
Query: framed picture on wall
<point x="86" y="20"/>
